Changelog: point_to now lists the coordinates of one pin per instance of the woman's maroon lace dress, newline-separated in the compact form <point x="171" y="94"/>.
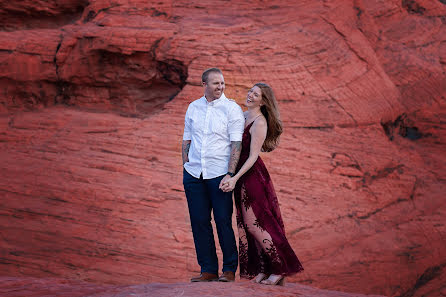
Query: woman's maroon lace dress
<point x="262" y="242"/>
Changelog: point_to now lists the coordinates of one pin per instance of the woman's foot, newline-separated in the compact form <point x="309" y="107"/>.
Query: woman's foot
<point x="274" y="280"/>
<point x="261" y="276"/>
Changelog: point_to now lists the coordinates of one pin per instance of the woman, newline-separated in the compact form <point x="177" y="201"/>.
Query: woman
<point x="264" y="250"/>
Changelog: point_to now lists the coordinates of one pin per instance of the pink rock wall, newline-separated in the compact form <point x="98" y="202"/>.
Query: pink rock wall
<point x="92" y="106"/>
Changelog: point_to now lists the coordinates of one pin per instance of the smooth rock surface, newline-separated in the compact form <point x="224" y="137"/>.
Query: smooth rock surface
<point x="12" y="287"/>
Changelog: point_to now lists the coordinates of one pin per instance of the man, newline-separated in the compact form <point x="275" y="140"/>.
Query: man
<point x="213" y="131"/>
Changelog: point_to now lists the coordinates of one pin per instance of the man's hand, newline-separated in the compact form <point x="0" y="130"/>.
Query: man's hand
<point x="223" y="182"/>
<point x="229" y="185"/>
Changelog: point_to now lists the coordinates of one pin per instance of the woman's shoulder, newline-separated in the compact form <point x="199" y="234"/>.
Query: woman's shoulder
<point x="260" y="121"/>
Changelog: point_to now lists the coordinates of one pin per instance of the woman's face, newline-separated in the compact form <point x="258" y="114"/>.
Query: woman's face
<point x="254" y="97"/>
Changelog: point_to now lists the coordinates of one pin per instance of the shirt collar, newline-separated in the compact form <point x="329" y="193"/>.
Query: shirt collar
<point x="216" y="101"/>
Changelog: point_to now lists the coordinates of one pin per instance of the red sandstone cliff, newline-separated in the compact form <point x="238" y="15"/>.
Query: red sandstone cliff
<point x="92" y="105"/>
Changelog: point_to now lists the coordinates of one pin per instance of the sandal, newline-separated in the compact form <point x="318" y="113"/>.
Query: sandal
<point x="260" y="277"/>
<point x="280" y="281"/>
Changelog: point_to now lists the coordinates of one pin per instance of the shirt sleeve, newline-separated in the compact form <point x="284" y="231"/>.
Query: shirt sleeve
<point x="187" y="134"/>
<point x="236" y="124"/>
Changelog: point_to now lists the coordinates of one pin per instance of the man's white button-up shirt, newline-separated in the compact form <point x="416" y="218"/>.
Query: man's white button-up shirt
<point x="211" y="126"/>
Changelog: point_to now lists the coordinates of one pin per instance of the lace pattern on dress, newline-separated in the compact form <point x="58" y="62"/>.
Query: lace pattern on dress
<point x="252" y="235"/>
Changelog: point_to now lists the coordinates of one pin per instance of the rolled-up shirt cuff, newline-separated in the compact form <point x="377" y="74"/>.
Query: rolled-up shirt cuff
<point x="187" y="136"/>
<point x="235" y="136"/>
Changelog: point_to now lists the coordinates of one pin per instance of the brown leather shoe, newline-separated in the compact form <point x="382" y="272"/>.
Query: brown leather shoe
<point x="205" y="277"/>
<point x="227" y="276"/>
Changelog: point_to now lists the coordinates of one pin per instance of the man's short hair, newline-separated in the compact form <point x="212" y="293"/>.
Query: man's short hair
<point x="205" y="75"/>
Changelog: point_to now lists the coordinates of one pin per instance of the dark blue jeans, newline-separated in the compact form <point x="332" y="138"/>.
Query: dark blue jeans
<point x="204" y="196"/>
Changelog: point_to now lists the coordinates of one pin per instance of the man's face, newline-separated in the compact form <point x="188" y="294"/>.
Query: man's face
<point x="214" y="86"/>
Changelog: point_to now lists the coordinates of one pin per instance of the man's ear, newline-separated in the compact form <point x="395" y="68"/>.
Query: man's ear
<point x="203" y="83"/>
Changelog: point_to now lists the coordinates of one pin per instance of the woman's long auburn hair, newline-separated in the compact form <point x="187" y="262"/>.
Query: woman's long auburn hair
<point x="270" y="111"/>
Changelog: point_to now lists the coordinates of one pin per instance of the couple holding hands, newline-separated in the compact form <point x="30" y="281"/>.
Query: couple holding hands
<point x="220" y="152"/>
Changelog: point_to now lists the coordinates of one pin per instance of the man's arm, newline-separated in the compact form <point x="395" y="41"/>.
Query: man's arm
<point x="185" y="151"/>
<point x="236" y="148"/>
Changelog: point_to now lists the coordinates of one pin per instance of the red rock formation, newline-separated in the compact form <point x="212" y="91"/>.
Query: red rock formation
<point x="92" y="106"/>
<point x="14" y="286"/>
<point x="43" y="14"/>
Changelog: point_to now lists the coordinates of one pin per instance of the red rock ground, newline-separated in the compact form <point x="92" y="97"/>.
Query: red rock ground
<point x="92" y="106"/>
<point x="69" y="288"/>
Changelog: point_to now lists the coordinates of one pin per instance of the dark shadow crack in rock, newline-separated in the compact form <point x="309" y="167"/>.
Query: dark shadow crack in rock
<point x="382" y="173"/>
<point x="61" y="96"/>
<point x="413" y="7"/>
<point x="428" y="275"/>
<point x="344" y="37"/>
<point x="368" y="215"/>
<point x="404" y="127"/>
<point x="91" y="15"/>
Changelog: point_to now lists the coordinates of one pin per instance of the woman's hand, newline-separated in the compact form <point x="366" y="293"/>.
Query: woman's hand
<point x="229" y="184"/>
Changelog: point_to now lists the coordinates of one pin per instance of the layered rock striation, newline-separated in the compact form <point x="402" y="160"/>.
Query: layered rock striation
<point x="91" y="113"/>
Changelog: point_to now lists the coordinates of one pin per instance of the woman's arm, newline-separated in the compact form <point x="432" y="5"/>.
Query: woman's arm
<point x="258" y="135"/>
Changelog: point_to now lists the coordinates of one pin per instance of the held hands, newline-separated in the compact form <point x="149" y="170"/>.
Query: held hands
<point x="227" y="184"/>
